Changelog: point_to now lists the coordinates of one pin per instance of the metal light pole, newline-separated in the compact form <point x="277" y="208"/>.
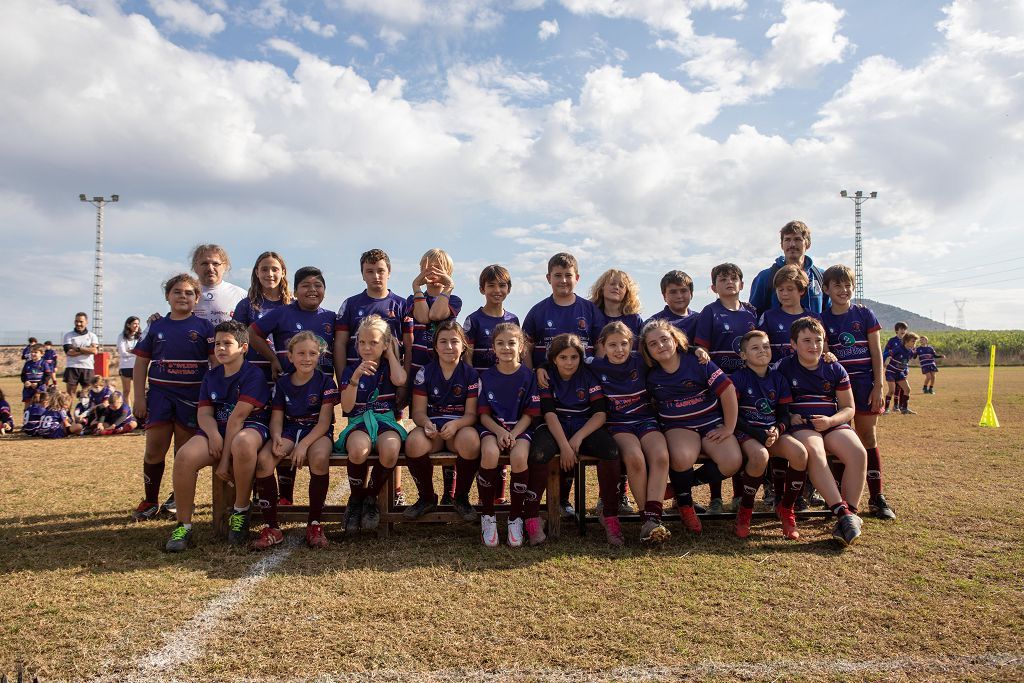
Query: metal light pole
<point x="858" y="198"/>
<point x="97" y="271"/>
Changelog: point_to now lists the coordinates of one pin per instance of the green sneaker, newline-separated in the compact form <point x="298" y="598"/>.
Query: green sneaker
<point x="181" y="539"/>
<point x="238" y="528"/>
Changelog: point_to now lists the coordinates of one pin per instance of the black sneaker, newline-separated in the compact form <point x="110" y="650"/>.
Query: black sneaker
<point x="169" y="507"/>
<point x="568" y="511"/>
<point x="422" y="507"/>
<point x="465" y="509"/>
<point x="847" y="529"/>
<point x="238" y="527"/>
<point x="145" y="511"/>
<point x="800" y="504"/>
<point x="181" y="539"/>
<point x="371" y="514"/>
<point x="353" y="516"/>
<point x="699" y="509"/>
<point x="880" y="508"/>
<point x="446" y="499"/>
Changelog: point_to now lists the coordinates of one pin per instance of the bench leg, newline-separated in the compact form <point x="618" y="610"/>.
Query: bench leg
<point x="386" y="526"/>
<point x="581" y="498"/>
<point x="554" y="513"/>
<point x="223" y="495"/>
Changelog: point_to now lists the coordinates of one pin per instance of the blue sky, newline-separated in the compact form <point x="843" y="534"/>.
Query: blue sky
<point x="642" y="134"/>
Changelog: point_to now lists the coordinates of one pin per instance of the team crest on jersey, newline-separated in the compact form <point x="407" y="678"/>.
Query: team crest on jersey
<point x="604" y="378"/>
<point x="847" y="339"/>
<point x="312" y="400"/>
<point x="581" y="323"/>
<point x="551" y="323"/>
<point x="764" y="407"/>
<point x="856" y="326"/>
<point x="327" y="328"/>
<point x="359" y="313"/>
<point x="213" y="395"/>
<point x="771" y="396"/>
<point x="827" y="386"/>
<point x="581" y="394"/>
<point x="456" y="390"/>
<point x="781" y="327"/>
<point x="298" y="326"/>
<point x="193" y="335"/>
<point x="794" y="383"/>
<point x="689" y="385"/>
<point x="634" y="375"/>
<point x="490" y="395"/>
<point x="750" y="391"/>
<point x="391" y="312"/>
<point x="160" y="336"/>
<point x="487" y="333"/>
<point x="725" y="326"/>
<point x="436" y="392"/>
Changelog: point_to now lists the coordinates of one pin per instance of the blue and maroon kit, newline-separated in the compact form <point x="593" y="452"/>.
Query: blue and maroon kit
<point x="687" y="323"/>
<point x="52" y="424"/>
<point x="573" y="400"/>
<point x="759" y="398"/>
<point x="223" y="393"/>
<point x="625" y="388"/>
<point x="479" y="328"/>
<point x="720" y="330"/>
<point x="179" y="353"/>
<point x="848" y="339"/>
<point x="506" y="398"/>
<point x="814" y="391"/>
<point x="423" y="333"/>
<point x="688" y="397"/>
<point x="32" y="371"/>
<point x="33" y="415"/>
<point x="395" y="311"/>
<point x="926" y="357"/>
<point x="301" y="404"/>
<point x="446" y="397"/>
<point x="6" y="418"/>
<point x="246" y="312"/>
<point x="899" y="362"/>
<point x="50" y="361"/>
<point x="378" y="383"/>
<point x="776" y="323"/>
<point x="96" y="398"/>
<point x="118" y="416"/>
<point x="546" y="320"/>
<point x="633" y="321"/>
<point x="284" y="322"/>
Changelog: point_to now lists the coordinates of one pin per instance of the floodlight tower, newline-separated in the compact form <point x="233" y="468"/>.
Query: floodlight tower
<point x="858" y="198"/>
<point x="961" y="321"/>
<point x="97" y="271"/>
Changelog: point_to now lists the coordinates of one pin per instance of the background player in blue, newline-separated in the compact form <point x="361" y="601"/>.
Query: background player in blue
<point x="118" y="417"/>
<point x="795" y="239"/>
<point x="50" y="361"/>
<point x="55" y="422"/>
<point x="301" y="426"/>
<point x="34" y="412"/>
<point x="508" y="405"/>
<point x="27" y="349"/>
<point x="790" y="285"/>
<point x="284" y="322"/>
<point x="495" y="285"/>
<point x="369" y="400"/>
<point x="6" y="418"/>
<point x="820" y="412"/>
<point x="697" y="409"/>
<point x="677" y="291"/>
<point x="444" y="400"/>
<point x="33" y="373"/>
<point x="900" y="329"/>
<point x="761" y="427"/>
<point x="174" y="356"/>
<point x="233" y="415"/>
<point x="853" y="336"/>
<point x="896" y="370"/>
<point x="926" y="356"/>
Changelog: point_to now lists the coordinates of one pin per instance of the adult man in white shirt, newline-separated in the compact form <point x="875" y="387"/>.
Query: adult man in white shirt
<point x="80" y="345"/>
<point x="218" y="298"/>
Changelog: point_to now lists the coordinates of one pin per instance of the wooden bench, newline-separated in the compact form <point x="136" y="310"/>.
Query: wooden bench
<point x="390" y="512"/>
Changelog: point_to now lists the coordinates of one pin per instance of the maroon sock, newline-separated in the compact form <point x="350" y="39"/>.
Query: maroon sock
<point x="123" y="429"/>
<point x="778" y="467"/>
<point x="749" y="487"/>
<point x="623" y="479"/>
<point x="422" y="471"/>
<point x="837" y="468"/>
<point x="357" y="479"/>
<point x="652" y="510"/>
<point x="794" y="486"/>
<point x="538" y="484"/>
<point x="465" y="473"/>
<point x="152" y="475"/>
<point x="486" y="485"/>
<point x="286" y="480"/>
<point x="503" y="473"/>
<point x="266" y="489"/>
<point x="608" y="486"/>
<point x="874" y="472"/>
<point x="378" y="477"/>
<point x="840" y="509"/>
<point x="318" y="484"/>
<point x="715" y="487"/>
<point x="737" y="484"/>
<point x="904" y="400"/>
<point x="517" y="497"/>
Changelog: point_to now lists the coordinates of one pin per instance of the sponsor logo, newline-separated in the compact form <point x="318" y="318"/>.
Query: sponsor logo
<point x="846" y="340"/>
<point x="763" y="406"/>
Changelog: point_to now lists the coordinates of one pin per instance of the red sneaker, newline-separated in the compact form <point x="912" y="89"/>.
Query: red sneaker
<point x="283" y="502"/>
<point x="743" y="521"/>
<point x="535" y="531"/>
<point x="315" y="536"/>
<point x="689" y="518"/>
<point x="613" y="530"/>
<point x="788" y="518"/>
<point x="268" y="537"/>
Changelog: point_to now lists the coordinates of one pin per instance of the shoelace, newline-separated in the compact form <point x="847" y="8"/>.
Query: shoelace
<point x="179" y="533"/>
<point x="236" y="521"/>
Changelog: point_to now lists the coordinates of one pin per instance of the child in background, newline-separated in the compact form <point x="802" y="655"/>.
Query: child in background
<point x="34" y="412"/>
<point x="50" y="361"/>
<point x="677" y="290"/>
<point x="790" y="286"/>
<point x="495" y="285"/>
<point x="900" y="329"/>
<point x="126" y="341"/>
<point x="926" y="356"/>
<point x="55" y="422"/>
<point x="444" y="407"/>
<point x="98" y="396"/>
<point x="33" y="373"/>
<point x="853" y="336"/>
<point x="896" y="371"/>
<point x="117" y="418"/>
<point x="369" y="400"/>
<point x="174" y="355"/>
<point x="302" y="427"/>
<point x="507" y="406"/>
<point x="6" y="418"/>
<point x="26" y="352"/>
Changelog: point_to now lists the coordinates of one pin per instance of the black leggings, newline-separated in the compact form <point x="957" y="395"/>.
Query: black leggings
<point x="598" y="445"/>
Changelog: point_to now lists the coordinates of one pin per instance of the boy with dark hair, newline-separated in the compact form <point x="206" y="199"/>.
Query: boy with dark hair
<point x="900" y="329"/>
<point x="790" y="285"/>
<point x="495" y="285"/>
<point x="33" y="373"/>
<point x="677" y="291"/>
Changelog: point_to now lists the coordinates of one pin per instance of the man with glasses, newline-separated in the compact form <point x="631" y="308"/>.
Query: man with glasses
<point x="218" y="298"/>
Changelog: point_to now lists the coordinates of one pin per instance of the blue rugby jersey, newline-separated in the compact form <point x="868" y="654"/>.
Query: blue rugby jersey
<point x="33" y="371"/>
<point x="776" y="323"/>
<point x="223" y="393"/>
<point x="6" y="418"/>
<point x="179" y="354"/>
<point x="51" y="424"/>
<point x="246" y="313"/>
<point x="284" y="322"/>
<point x="301" y="404"/>
<point x="625" y="388"/>
<point x="687" y="324"/>
<point x="423" y="333"/>
<point x="33" y="414"/>
<point x="446" y="398"/>
<point x="926" y="357"/>
<point x="574" y="400"/>
<point x="848" y="338"/>
<point x="506" y="398"/>
<point x="814" y="391"/>
<point x="759" y="396"/>
<point x="479" y="327"/>
<point x="546" y="320"/>
<point x="368" y="384"/>
<point x="688" y="397"/>
<point x="720" y="330"/>
<point x="899" y="359"/>
<point x="392" y="308"/>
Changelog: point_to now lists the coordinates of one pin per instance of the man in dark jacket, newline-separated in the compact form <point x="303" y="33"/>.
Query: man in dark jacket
<point x="795" y="237"/>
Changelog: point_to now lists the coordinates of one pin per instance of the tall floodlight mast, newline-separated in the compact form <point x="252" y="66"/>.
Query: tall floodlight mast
<point x="97" y="271"/>
<point x="858" y="198"/>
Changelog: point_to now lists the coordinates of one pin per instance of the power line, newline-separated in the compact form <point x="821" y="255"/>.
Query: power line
<point x="980" y="265"/>
<point x="948" y="283"/>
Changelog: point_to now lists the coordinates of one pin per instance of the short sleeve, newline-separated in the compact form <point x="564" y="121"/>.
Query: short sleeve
<point x="530" y="326"/>
<point x="253" y="388"/>
<point x="266" y="325"/>
<point x="705" y="326"/>
<point x="717" y="380"/>
<point x="346" y="376"/>
<point x="419" y="384"/>
<point x="331" y="395"/>
<point x="204" y="391"/>
<point x="483" y="406"/>
<point x="278" y="402"/>
<point x="144" y="349"/>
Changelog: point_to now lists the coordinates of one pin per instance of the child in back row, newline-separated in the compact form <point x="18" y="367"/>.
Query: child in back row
<point x="926" y="356"/>
<point x="495" y="285"/>
<point x="33" y="373"/>
<point x="896" y="370"/>
<point x="677" y="291"/>
<point x="790" y="286"/>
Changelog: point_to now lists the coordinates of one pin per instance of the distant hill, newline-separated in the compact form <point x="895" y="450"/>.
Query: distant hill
<point x="889" y="315"/>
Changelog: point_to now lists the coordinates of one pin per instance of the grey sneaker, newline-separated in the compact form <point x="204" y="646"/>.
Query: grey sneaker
<point x="734" y="504"/>
<point x="420" y="508"/>
<point x="465" y="509"/>
<point x="653" y="532"/>
<point x="238" y="527"/>
<point x="880" y="508"/>
<point x="716" y="507"/>
<point x="169" y="507"/>
<point x="847" y="529"/>
<point x="353" y="516"/>
<point x="371" y="514"/>
<point x="181" y="539"/>
<point x="568" y="511"/>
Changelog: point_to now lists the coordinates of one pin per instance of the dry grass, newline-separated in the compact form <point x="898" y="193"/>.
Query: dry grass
<point x="936" y="595"/>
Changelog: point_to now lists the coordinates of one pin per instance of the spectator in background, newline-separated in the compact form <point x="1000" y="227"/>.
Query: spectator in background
<point x="126" y="341"/>
<point x="80" y="345"/>
<point x="27" y="351"/>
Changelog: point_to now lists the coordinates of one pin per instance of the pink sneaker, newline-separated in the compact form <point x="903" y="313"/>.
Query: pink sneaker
<point x="535" y="531"/>
<point x="613" y="531"/>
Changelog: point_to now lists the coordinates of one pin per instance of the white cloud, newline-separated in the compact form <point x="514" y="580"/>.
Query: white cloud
<point x="547" y="29"/>
<point x="357" y="40"/>
<point x="187" y="16"/>
<point x="315" y="27"/>
<point x="390" y="36"/>
<point x="479" y="15"/>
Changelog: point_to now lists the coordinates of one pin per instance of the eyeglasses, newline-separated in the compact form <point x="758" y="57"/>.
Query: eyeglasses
<point x="215" y="264"/>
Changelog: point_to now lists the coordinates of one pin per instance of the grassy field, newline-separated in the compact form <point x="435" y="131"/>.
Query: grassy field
<point x="936" y="595"/>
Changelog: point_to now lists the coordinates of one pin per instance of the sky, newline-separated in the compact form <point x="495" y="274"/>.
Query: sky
<point x="646" y="135"/>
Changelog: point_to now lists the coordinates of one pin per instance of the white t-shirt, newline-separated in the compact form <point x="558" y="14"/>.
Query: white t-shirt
<point x="125" y="357"/>
<point x="81" y="341"/>
<point x="217" y="304"/>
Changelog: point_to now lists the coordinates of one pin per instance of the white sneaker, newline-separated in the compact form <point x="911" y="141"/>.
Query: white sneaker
<point x="489" y="531"/>
<point x="515" y="533"/>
